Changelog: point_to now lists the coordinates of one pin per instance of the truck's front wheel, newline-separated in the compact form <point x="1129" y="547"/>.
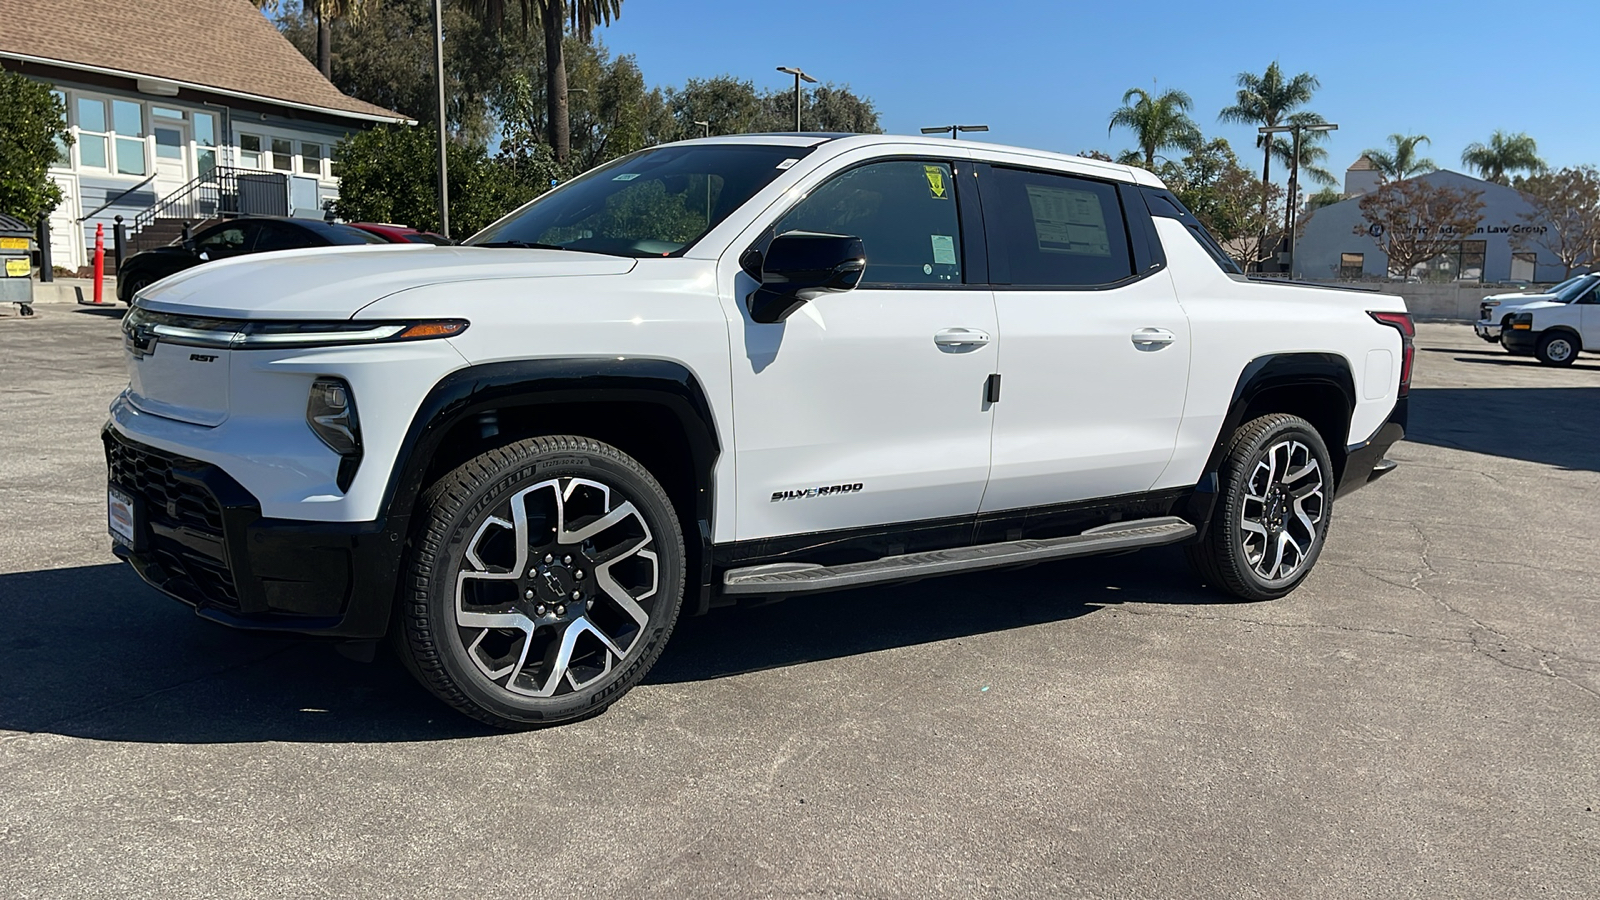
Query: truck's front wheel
<point x="1272" y="516"/>
<point x="543" y="582"/>
<point x="1557" y="348"/>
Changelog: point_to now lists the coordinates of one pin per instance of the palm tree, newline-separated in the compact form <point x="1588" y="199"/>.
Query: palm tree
<point x="1310" y="163"/>
<point x="1401" y="160"/>
<point x="1265" y="100"/>
<point x="323" y="12"/>
<point x="1158" y="122"/>
<point x="552" y="16"/>
<point x="1504" y="153"/>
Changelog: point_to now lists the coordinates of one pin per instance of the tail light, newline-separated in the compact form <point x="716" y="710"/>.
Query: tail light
<point x="1401" y="322"/>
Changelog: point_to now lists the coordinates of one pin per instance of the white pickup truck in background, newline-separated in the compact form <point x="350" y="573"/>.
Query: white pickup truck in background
<point x="1496" y="310"/>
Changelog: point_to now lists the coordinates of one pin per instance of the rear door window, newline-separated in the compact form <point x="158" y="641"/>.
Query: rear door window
<point x="905" y="214"/>
<point x="1051" y="230"/>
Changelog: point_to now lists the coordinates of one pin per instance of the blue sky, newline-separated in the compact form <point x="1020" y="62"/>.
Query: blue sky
<point x="1047" y="73"/>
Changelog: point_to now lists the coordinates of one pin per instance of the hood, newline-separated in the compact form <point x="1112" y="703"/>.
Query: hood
<point x="335" y="282"/>
<point x="1537" y="304"/>
<point x="1516" y="297"/>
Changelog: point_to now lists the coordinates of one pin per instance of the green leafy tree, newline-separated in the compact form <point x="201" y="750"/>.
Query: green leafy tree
<point x="1240" y="211"/>
<point x="322" y="13"/>
<point x="1328" y="196"/>
<point x="551" y="16"/>
<point x="386" y="58"/>
<point x="1401" y="159"/>
<point x="734" y="106"/>
<point x="1268" y="99"/>
<point x="1504" y="153"/>
<point x="1159" y="122"/>
<point x="387" y="175"/>
<point x="33" y="130"/>
<point x="1563" y="216"/>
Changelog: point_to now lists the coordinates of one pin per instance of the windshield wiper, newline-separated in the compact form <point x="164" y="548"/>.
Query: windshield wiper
<point x="534" y="245"/>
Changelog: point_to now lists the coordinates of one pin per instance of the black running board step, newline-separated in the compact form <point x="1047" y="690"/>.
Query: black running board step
<point x="807" y="578"/>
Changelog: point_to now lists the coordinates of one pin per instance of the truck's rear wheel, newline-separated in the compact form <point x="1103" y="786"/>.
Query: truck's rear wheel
<point x="1272" y="517"/>
<point x="543" y="583"/>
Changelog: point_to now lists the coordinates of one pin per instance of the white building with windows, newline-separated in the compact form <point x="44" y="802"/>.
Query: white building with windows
<point x="180" y="110"/>
<point x="1337" y="243"/>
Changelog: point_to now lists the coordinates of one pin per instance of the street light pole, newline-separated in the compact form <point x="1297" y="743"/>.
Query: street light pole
<point x="798" y="75"/>
<point x="706" y="125"/>
<point x="1292" y="215"/>
<point x="438" y="74"/>
<point x="954" y="130"/>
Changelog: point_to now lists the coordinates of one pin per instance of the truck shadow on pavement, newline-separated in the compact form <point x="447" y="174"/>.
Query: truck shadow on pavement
<point x="1554" y="426"/>
<point x="92" y="652"/>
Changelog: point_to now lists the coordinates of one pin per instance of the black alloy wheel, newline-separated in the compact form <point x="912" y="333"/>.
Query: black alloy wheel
<point x="546" y="578"/>
<point x="1271" y="520"/>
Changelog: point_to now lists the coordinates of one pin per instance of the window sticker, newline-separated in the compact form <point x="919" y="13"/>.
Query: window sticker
<point x="936" y="185"/>
<point x="944" y="249"/>
<point x="1068" y="221"/>
<point x="626" y="176"/>
<point x="787" y="163"/>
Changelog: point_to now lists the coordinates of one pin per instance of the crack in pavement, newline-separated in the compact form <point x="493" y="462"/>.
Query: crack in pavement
<point x="1545" y="657"/>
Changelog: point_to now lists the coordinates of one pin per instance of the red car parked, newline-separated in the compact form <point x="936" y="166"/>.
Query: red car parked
<point x="401" y="234"/>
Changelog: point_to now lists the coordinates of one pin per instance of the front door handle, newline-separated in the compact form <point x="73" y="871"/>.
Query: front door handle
<point x="961" y="338"/>
<point x="1152" y="338"/>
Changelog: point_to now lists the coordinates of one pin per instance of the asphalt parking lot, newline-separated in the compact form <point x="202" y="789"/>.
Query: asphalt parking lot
<point x="1420" y="719"/>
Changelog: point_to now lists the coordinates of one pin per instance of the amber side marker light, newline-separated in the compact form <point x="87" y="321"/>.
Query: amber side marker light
<point x="431" y="330"/>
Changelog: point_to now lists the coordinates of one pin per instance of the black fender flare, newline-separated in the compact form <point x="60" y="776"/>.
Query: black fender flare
<point x="472" y="391"/>
<point x="1267" y="373"/>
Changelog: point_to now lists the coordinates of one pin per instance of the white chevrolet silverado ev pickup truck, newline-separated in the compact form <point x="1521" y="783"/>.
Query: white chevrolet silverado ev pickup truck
<point x="739" y="367"/>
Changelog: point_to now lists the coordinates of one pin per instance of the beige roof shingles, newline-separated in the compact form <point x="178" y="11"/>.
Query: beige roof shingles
<point x="224" y="44"/>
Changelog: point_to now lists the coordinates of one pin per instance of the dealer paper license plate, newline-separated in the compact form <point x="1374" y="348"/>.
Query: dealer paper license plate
<point x="120" y="517"/>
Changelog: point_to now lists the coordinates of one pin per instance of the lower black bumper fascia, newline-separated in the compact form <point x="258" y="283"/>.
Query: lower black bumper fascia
<point x="1521" y="342"/>
<point x="1365" y="462"/>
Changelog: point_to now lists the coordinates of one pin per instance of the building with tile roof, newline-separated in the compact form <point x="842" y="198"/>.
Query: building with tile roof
<point x="164" y="96"/>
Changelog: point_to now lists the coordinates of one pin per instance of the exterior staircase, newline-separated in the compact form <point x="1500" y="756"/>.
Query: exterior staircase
<point x="223" y="192"/>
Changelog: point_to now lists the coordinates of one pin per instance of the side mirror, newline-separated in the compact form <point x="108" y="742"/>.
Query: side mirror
<point x="802" y="265"/>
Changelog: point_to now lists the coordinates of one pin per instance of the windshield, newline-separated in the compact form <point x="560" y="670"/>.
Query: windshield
<point x="1568" y="290"/>
<point x="651" y="203"/>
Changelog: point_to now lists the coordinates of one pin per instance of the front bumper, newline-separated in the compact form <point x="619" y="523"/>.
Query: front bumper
<point x="1364" y="463"/>
<point x="201" y="539"/>
<point x="1489" y="331"/>
<point x="1520" y="342"/>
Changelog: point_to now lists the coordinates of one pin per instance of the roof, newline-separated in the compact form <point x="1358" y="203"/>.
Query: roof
<point x="225" y="46"/>
<point x="1113" y="170"/>
<point x="1362" y="165"/>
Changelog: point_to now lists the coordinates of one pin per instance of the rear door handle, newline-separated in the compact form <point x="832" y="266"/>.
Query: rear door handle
<point x="1153" y="338"/>
<point x="961" y="338"/>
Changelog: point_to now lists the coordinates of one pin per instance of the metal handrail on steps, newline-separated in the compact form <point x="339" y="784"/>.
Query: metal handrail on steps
<point x="102" y="207"/>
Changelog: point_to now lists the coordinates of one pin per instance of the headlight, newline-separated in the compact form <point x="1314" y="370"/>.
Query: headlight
<point x="251" y="334"/>
<point x="331" y="413"/>
<point x="1490" y="304"/>
<point x="1522" y="322"/>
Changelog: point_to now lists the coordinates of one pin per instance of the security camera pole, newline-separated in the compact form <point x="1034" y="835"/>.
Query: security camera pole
<point x="954" y="130"/>
<point x="798" y="76"/>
